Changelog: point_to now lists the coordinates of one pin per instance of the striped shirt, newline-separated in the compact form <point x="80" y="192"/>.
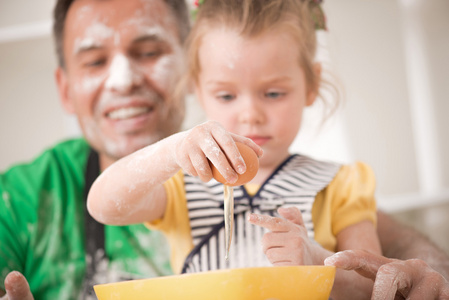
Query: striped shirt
<point x="296" y="182"/>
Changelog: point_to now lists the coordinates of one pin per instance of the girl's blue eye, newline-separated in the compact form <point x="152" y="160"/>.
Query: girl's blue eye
<point x="273" y="95"/>
<point x="226" y="97"/>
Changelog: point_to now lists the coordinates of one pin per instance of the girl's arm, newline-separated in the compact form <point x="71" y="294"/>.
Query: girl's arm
<point x="131" y="190"/>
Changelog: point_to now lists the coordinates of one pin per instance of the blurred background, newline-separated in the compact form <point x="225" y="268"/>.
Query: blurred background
<point x="390" y="59"/>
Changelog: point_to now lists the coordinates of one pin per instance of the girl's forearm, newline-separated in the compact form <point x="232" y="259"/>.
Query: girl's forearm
<point x="131" y="190"/>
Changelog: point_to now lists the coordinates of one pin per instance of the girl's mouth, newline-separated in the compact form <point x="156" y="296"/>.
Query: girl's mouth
<point x="259" y="140"/>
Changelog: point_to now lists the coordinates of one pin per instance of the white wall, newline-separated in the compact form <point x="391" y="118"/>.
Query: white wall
<point x="392" y="57"/>
<point x="394" y="117"/>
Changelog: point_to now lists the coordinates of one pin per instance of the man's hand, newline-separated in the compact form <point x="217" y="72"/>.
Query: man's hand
<point x="404" y="279"/>
<point x="17" y="287"/>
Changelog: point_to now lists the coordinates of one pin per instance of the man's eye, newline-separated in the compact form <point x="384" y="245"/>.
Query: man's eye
<point x="149" y="54"/>
<point x="95" y="63"/>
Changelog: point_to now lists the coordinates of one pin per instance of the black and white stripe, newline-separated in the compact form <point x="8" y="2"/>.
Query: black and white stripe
<point x="295" y="183"/>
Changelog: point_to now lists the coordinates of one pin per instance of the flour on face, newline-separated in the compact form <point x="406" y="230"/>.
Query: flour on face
<point x="122" y="74"/>
<point x="94" y="35"/>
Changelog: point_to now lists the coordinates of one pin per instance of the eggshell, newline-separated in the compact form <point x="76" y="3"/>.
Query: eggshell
<point x="252" y="166"/>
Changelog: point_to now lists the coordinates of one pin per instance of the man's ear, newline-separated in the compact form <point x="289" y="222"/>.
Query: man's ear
<point x="312" y="92"/>
<point x="63" y="90"/>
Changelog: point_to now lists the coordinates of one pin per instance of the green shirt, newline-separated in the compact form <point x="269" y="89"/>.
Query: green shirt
<point x="42" y="228"/>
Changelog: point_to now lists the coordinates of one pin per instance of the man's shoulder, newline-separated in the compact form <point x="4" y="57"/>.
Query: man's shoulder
<point x="70" y="149"/>
<point x="67" y="157"/>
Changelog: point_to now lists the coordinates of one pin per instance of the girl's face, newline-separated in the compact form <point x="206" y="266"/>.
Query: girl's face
<point x="254" y="87"/>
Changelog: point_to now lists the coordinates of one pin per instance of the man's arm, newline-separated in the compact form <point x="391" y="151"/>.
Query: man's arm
<point x="403" y="242"/>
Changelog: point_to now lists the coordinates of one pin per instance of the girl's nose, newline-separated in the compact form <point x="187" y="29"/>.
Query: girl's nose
<point x="252" y="111"/>
<point x="123" y="77"/>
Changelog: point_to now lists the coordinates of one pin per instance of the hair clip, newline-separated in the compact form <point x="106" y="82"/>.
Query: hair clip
<point x="194" y="12"/>
<point x="197" y="3"/>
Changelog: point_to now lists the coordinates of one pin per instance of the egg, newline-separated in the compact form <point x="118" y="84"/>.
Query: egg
<point x="252" y="166"/>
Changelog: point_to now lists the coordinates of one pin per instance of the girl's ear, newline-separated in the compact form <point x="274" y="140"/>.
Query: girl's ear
<point x="312" y="92"/>
<point x="63" y="90"/>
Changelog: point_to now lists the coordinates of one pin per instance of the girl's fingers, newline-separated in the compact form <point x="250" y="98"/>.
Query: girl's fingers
<point x="293" y="214"/>
<point x="201" y="166"/>
<point x="219" y="159"/>
<point x="210" y="140"/>
<point x="274" y="224"/>
<point x="286" y="240"/>
<point x="200" y="147"/>
<point x="226" y="142"/>
<point x="220" y="149"/>
<point x="283" y="257"/>
<point x="250" y="143"/>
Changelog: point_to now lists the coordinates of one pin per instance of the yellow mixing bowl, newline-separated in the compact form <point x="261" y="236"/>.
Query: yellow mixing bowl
<point x="299" y="282"/>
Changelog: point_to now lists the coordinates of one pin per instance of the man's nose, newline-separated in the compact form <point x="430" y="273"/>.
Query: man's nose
<point x="251" y="111"/>
<point x="123" y="77"/>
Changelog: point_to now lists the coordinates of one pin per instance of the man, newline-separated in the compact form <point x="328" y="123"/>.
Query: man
<point x="118" y="65"/>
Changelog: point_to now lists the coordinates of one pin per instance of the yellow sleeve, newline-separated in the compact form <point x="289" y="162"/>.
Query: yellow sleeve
<point x="175" y="223"/>
<point x="347" y="200"/>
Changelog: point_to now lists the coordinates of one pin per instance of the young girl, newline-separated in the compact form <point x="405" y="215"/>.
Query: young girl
<point x="251" y="65"/>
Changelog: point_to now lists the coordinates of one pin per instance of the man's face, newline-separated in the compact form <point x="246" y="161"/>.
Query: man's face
<point x="123" y="59"/>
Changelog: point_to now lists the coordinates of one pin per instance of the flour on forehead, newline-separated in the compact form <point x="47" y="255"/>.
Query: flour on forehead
<point x="83" y="14"/>
<point x="232" y="57"/>
<point x="151" y="21"/>
<point x="148" y="28"/>
<point x="229" y="56"/>
<point x="94" y="35"/>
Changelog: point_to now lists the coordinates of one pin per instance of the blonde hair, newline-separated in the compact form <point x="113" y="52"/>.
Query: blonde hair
<point x="251" y="18"/>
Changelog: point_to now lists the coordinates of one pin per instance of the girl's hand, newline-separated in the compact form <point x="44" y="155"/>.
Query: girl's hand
<point x="211" y="142"/>
<point x="287" y="243"/>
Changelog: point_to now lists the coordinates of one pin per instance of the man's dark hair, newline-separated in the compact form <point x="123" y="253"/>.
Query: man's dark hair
<point x="177" y="7"/>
